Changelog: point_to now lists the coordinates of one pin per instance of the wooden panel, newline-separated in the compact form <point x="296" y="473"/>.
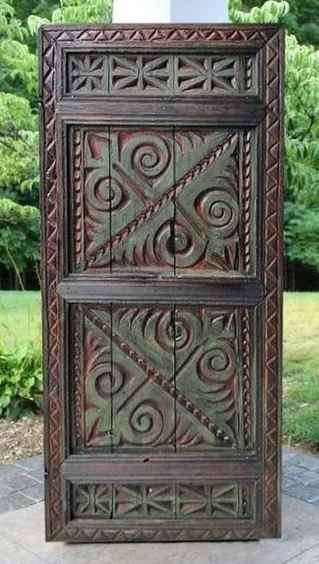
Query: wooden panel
<point x="142" y="165"/>
<point x="162" y="378"/>
<point x="215" y="202"/>
<point x="143" y="334"/>
<point x="143" y="412"/>
<point x="208" y="379"/>
<point x="90" y="194"/>
<point x="126" y="381"/>
<point x="163" y="201"/>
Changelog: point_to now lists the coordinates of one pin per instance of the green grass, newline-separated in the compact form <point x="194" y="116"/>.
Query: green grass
<point x="20" y="321"/>
<point x="20" y="325"/>
<point x="301" y="368"/>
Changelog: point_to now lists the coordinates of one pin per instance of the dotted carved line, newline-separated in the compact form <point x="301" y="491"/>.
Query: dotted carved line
<point x="246" y="217"/>
<point x="155" y="377"/>
<point x="246" y="379"/>
<point x="78" y="197"/>
<point x="173" y="192"/>
<point x="77" y="382"/>
<point x="248" y="73"/>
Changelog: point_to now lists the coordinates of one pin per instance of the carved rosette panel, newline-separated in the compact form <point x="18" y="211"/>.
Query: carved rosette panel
<point x="102" y="74"/>
<point x="87" y="73"/>
<point x="164" y="200"/>
<point x="162" y="378"/>
<point x="225" y="501"/>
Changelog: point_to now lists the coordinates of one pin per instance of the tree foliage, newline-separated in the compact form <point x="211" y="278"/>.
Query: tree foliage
<point x="19" y="171"/>
<point x="302" y="137"/>
<point x="19" y="178"/>
<point x="302" y="20"/>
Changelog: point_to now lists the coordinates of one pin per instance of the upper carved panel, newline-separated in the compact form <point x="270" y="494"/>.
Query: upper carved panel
<point x="181" y="202"/>
<point x="101" y="74"/>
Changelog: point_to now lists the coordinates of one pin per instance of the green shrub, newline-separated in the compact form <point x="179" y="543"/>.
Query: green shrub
<point x="20" y="381"/>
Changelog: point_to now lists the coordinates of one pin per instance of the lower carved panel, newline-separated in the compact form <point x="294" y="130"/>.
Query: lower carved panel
<point x="163" y="378"/>
<point x="219" y="500"/>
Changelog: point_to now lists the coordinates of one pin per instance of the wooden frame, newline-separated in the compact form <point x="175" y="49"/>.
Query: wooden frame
<point x="62" y="287"/>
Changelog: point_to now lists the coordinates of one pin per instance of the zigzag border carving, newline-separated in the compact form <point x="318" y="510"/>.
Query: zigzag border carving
<point x="273" y="281"/>
<point x="50" y="198"/>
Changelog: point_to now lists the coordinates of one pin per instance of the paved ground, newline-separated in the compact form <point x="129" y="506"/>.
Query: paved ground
<point x="22" y="526"/>
<point x="21" y="484"/>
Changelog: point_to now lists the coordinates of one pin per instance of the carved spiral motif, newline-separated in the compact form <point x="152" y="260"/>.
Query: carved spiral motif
<point x="217" y="364"/>
<point x="188" y="247"/>
<point x="219" y="210"/>
<point x="146" y="423"/>
<point x="103" y="193"/>
<point x="180" y="329"/>
<point x="149" y="155"/>
<point x="183" y="241"/>
<point x="183" y="333"/>
<point x="116" y="195"/>
<point x="163" y="244"/>
<point x="165" y="332"/>
<point x="105" y="381"/>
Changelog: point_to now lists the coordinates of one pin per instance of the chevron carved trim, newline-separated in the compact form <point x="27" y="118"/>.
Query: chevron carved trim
<point x="273" y="282"/>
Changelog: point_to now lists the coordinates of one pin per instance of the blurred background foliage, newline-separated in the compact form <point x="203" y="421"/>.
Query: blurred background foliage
<point x="19" y="171"/>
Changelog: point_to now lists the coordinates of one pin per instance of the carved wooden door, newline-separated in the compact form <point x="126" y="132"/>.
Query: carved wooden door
<point x="162" y="188"/>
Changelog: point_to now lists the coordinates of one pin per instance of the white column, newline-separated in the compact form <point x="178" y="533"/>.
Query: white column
<point x="170" y="11"/>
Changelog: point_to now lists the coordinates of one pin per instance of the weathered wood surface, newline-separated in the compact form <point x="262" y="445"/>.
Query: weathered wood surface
<point x="162" y="250"/>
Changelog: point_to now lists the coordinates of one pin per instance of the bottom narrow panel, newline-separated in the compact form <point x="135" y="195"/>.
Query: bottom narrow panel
<point x="221" y="500"/>
<point x="225" y="500"/>
<point x="166" y="511"/>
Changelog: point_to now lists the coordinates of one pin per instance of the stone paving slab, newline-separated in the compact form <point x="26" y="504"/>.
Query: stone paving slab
<point x="21" y="484"/>
<point x="22" y="542"/>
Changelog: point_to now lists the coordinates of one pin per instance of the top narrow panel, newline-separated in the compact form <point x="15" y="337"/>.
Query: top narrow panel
<point x="211" y="72"/>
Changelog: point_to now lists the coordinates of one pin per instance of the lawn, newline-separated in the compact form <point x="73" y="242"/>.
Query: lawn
<point x="301" y="368"/>
<point x="20" y="324"/>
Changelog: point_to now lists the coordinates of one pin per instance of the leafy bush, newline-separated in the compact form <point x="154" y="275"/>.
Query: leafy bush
<point x="20" y="382"/>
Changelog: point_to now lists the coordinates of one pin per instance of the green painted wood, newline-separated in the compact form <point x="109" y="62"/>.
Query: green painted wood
<point x="142" y="168"/>
<point x="207" y="202"/>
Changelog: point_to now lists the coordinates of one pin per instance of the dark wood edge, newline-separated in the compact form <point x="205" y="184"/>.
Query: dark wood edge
<point x="116" y="468"/>
<point x="149" y="291"/>
<point x="113" y="111"/>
